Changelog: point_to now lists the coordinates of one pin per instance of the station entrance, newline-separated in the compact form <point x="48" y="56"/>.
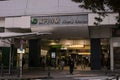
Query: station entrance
<point x="62" y="50"/>
<point x="54" y="52"/>
<point x="45" y="52"/>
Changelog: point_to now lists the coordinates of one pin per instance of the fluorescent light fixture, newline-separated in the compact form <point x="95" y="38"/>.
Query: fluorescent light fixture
<point x="64" y="48"/>
<point x="84" y="53"/>
<point x="53" y="43"/>
<point x="76" y="46"/>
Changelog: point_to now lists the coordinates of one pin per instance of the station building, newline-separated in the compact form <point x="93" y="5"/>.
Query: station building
<point x="73" y="33"/>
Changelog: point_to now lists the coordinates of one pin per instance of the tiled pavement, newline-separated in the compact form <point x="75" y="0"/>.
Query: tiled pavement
<point x="38" y="74"/>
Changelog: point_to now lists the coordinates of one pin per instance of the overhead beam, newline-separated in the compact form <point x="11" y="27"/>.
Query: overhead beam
<point x="6" y="35"/>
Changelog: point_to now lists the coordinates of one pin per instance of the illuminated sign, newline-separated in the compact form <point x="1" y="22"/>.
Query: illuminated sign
<point x="53" y="55"/>
<point x="59" y="20"/>
<point x="21" y="51"/>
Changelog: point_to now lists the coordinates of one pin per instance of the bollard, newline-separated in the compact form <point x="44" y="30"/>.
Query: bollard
<point x="2" y="70"/>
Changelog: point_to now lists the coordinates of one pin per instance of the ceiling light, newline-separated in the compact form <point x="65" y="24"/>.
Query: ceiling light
<point x="76" y="46"/>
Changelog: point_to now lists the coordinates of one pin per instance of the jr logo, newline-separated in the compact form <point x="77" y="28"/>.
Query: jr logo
<point x="34" y="21"/>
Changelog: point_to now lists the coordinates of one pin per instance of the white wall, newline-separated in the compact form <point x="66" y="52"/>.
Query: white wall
<point x="17" y="22"/>
<point x="38" y="7"/>
<point x="12" y="7"/>
<point x="110" y="19"/>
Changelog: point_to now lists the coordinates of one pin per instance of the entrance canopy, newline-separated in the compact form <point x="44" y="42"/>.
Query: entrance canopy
<point x="20" y="35"/>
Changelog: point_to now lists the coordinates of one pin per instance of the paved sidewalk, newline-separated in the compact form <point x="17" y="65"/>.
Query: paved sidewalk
<point x="37" y="74"/>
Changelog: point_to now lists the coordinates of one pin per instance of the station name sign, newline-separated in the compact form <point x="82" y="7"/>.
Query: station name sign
<point x="59" y="20"/>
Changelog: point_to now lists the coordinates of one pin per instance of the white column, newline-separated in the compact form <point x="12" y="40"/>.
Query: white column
<point x="111" y="55"/>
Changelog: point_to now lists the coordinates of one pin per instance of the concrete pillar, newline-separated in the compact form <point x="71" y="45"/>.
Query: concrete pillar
<point x="111" y="55"/>
<point x="95" y="54"/>
<point x="34" y="52"/>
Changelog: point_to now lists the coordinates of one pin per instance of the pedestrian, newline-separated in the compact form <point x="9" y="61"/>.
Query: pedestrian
<point x="62" y="64"/>
<point x="71" y="66"/>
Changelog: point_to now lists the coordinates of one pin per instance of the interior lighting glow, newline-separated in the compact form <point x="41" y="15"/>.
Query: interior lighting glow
<point x="76" y="46"/>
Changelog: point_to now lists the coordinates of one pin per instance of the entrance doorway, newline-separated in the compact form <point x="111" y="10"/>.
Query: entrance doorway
<point x="62" y="50"/>
<point x="54" y="52"/>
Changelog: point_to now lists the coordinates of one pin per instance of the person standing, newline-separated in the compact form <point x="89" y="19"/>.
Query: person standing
<point x="62" y="64"/>
<point x="71" y="66"/>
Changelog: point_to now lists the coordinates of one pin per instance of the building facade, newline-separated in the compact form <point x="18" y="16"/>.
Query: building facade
<point x="67" y="22"/>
